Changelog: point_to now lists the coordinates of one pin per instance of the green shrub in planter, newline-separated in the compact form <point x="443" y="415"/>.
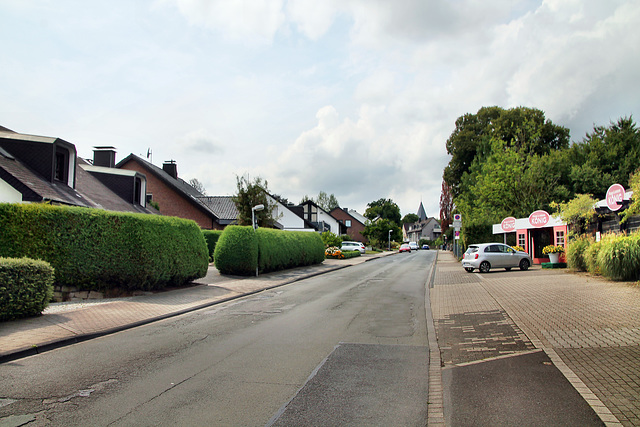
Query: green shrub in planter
<point x="576" y="253"/>
<point x="211" y="237"/>
<point x="94" y="249"/>
<point x="26" y="287"/>
<point x="619" y="257"/>
<point x="237" y="251"/>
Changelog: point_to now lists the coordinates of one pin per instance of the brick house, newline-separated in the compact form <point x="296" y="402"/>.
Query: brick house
<point x="174" y="196"/>
<point x="352" y="221"/>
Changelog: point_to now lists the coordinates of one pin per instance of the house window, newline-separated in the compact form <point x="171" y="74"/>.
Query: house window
<point x="61" y="171"/>
<point x="521" y="240"/>
<point x="137" y="191"/>
<point x="560" y="238"/>
<point x="347" y="222"/>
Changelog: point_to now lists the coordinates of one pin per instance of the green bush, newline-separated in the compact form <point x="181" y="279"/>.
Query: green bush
<point x="241" y="249"/>
<point x="591" y="258"/>
<point x="211" y="237"/>
<point x="26" y="287"/>
<point x="279" y="250"/>
<point x="94" y="249"/>
<point x="351" y="254"/>
<point x="331" y="239"/>
<point x="619" y="257"/>
<point x="576" y="253"/>
<point x="237" y="251"/>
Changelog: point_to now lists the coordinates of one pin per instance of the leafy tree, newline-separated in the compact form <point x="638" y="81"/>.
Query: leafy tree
<point x="410" y="218"/>
<point x="326" y="202"/>
<point x="331" y="239"/>
<point x="446" y="206"/>
<point x="198" y="185"/>
<point x="577" y="212"/>
<point x="523" y="130"/>
<point x="250" y="194"/>
<point x="634" y="206"/>
<point x="384" y="208"/>
<point x="378" y="232"/>
<point x="607" y="155"/>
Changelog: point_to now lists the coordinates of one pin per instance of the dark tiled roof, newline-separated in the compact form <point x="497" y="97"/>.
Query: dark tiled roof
<point x="101" y="195"/>
<point x="35" y="188"/>
<point x="223" y="206"/>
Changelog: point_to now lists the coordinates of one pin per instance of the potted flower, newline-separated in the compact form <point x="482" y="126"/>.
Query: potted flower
<point x="553" y="252"/>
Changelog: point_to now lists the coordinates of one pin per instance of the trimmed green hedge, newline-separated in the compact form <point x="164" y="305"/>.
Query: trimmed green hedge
<point x="211" y="237"/>
<point x="241" y="249"/>
<point x="26" y="287"/>
<point x="237" y="251"/>
<point x="279" y="250"/>
<point x="94" y="249"/>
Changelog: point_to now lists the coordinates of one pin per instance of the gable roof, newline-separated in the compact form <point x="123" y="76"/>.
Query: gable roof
<point x="422" y="214"/>
<point x="178" y="185"/>
<point x="223" y="206"/>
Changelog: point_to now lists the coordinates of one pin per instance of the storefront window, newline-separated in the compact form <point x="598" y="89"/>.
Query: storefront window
<point x="560" y="238"/>
<point x="522" y="240"/>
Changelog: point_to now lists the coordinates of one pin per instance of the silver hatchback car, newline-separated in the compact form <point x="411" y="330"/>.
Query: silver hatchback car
<point x="485" y="256"/>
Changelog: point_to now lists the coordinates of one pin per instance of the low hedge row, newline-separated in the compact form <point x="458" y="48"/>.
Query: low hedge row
<point x="94" y="249"/>
<point x="26" y="287"/>
<point x="240" y="250"/>
<point x="211" y="237"/>
<point x="616" y="257"/>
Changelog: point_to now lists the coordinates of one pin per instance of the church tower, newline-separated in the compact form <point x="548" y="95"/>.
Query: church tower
<point x="422" y="215"/>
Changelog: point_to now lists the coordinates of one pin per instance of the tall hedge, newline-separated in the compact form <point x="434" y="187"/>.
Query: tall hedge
<point x="211" y="237"/>
<point x="26" y="287"/>
<point x="95" y="249"/>
<point x="237" y="251"/>
<point x="241" y="249"/>
<point x="279" y="250"/>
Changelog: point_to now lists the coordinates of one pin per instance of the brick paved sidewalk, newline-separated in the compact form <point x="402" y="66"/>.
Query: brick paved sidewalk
<point x="589" y="327"/>
<point x="82" y="320"/>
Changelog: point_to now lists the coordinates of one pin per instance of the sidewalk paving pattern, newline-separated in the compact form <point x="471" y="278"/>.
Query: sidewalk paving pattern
<point x="589" y="328"/>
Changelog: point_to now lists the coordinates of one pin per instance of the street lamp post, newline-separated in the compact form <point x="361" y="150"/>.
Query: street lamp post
<point x="253" y="221"/>
<point x="390" y="239"/>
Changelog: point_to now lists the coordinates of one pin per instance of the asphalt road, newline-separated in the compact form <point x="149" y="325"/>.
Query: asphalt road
<point x="344" y="348"/>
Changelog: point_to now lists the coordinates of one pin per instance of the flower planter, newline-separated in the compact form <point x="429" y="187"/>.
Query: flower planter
<point x="554" y="257"/>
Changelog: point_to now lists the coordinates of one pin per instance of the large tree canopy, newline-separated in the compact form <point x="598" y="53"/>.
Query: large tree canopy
<point x="384" y="208"/>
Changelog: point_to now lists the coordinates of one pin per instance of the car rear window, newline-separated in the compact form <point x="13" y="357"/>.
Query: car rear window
<point x="472" y="249"/>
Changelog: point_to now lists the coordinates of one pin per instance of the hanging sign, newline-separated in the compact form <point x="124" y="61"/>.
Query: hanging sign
<point x="508" y="224"/>
<point x="539" y="218"/>
<point x="615" y="194"/>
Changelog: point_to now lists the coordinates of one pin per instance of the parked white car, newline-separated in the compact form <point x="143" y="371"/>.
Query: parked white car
<point x="485" y="256"/>
<point x="352" y="246"/>
<point x="413" y="246"/>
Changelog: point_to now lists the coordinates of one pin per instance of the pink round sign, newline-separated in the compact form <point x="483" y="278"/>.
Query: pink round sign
<point x="508" y="224"/>
<point x="539" y="218"/>
<point x="615" y="194"/>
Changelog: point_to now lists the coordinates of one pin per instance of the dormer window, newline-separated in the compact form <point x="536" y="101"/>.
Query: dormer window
<point x="61" y="171"/>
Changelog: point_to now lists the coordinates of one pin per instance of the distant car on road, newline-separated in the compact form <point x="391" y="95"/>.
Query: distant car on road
<point x="425" y="246"/>
<point x="413" y="246"/>
<point x="405" y="248"/>
<point x="485" y="256"/>
<point x="353" y="246"/>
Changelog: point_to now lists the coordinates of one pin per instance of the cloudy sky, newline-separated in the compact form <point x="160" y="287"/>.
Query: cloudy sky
<point x="350" y="97"/>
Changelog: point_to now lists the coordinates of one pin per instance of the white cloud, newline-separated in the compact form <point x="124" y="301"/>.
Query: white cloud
<point x="351" y="97"/>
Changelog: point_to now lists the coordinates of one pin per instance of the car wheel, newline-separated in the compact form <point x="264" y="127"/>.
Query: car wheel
<point x="469" y="269"/>
<point x="524" y="265"/>
<point x="485" y="267"/>
<point x="508" y="268"/>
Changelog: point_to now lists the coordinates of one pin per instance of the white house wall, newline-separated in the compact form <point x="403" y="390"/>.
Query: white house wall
<point x="288" y="219"/>
<point x="8" y="194"/>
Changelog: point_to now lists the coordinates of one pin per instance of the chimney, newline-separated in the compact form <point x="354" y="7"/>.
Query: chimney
<point x="171" y="168"/>
<point x="104" y="156"/>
